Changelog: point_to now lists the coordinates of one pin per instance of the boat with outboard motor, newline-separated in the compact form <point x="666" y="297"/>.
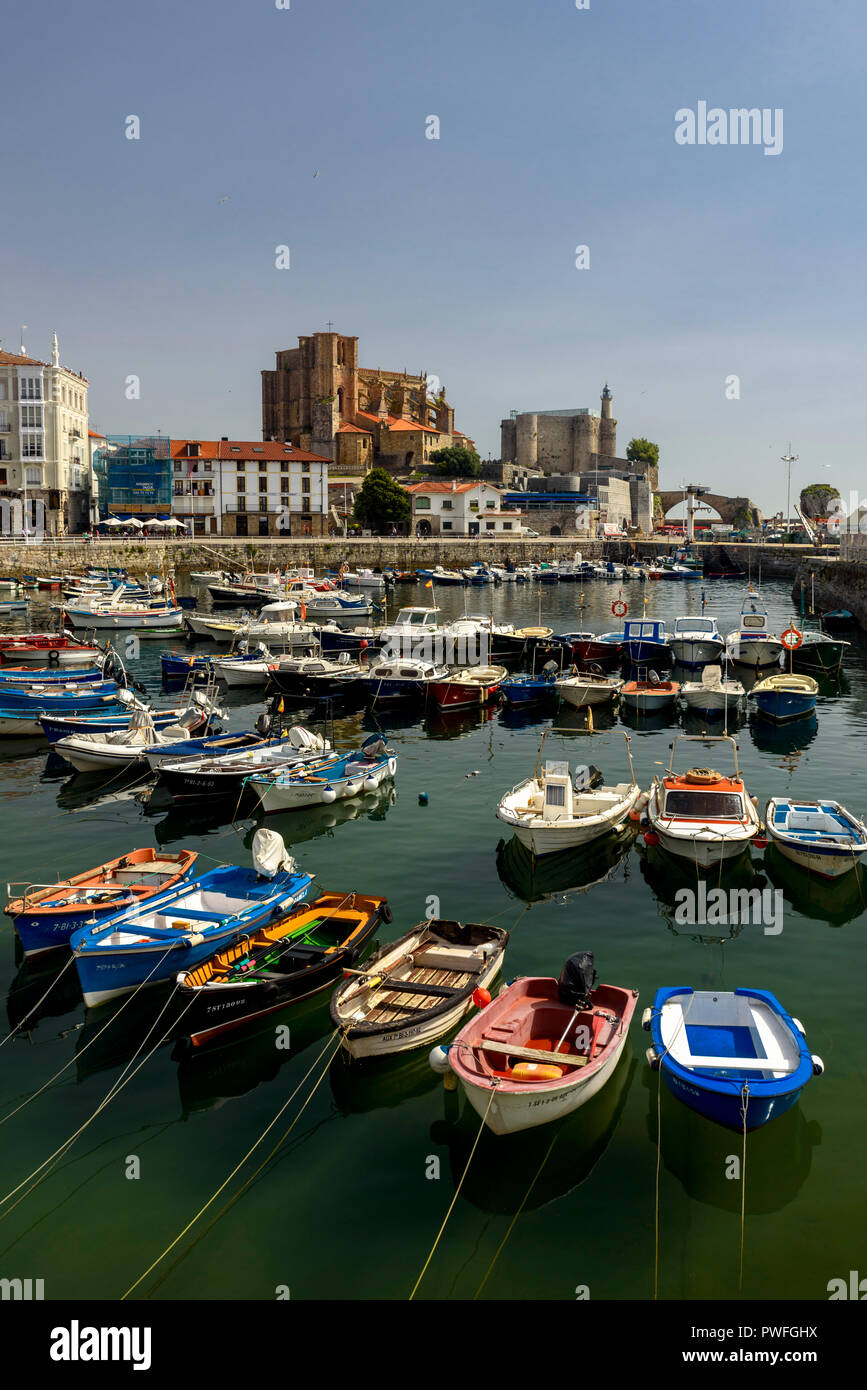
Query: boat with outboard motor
<point x="543" y="1047"/>
<point x="581" y="689"/>
<point x="214" y="776"/>
<point x="336" y="778"/>
<point x="712" y="695"/>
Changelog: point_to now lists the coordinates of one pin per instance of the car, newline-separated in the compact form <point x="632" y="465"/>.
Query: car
<point x="528" y="531"/>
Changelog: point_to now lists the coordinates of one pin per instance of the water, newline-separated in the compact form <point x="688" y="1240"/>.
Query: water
<point x="351" y="1203"/>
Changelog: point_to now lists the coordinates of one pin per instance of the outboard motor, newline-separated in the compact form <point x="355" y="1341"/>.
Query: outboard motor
<point x="586" y="778"/>
<point x="263" y="725"/>
<point x="577" y="979"/>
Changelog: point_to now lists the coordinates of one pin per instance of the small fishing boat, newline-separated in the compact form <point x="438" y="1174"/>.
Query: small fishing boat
<point x="56" y="727"/>
<point x="649" y="693"/>
<point x="141" y="946"/>
<point x="305" y="678"/>
<point x="118" y="616"/>
<point x="589" y="650"/>
<point x="736" y="1057"/>
<point x="838" y="619"/>
<point x="214" y="746"/>
<point x="785" y="696"/>
<point x="588" y="688"/>
<point x="291" y="788"/>
<point x="470" y="687"/>
<point x="279" y="964"/>
<point x="337" y="604"/>
<point x="533" y="689"/>
<point x="120" y="748"/>
<point x="752" y="643"/>
<point x="819" y="654"/>
<point x="818" y="835"/>
<point x="696" y="641"/>
<point x="45" y="915"/>
<point x="417" y="989"/>
<point x="244" y="668"/>
<point x="700" y="814"/>
<point x="643" y="641"/>
<point x="712" y="695"/>
<point x="543" y="1047"/>
<point x="406" y="680"/>
<point x="215" y="776"/>
<point x="552" y="811"/>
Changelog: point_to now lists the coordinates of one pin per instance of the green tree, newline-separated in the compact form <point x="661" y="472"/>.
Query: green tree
<point x="642" y="451"/>
<point x="456" y="462"/>
<point x="381" y="502"/>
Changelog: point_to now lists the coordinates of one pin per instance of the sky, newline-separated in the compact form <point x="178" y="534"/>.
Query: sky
<point x="305" y="127"/>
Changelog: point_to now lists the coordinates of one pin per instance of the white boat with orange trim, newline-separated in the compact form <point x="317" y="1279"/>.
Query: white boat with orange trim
<point x="649" y="694"/>
<point x="700" y="814"/>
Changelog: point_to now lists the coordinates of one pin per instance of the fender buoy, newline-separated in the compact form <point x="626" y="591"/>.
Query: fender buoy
<point x="619" y="608"/>
<point x="481" y="998"/>
<point x="386" y="915"/>
<point x="791" y="639"/>
<point x="53" y="657"/>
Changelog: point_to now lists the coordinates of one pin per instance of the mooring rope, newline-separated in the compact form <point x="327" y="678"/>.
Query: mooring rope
<point x="40" y="1000"/>
<point x="335" y="1036"/>
<point x="524" y="1201"/>
<point x="457" y="1191"/>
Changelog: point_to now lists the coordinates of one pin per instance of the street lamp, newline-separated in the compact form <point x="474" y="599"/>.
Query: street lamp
<point x="789" y="459"/>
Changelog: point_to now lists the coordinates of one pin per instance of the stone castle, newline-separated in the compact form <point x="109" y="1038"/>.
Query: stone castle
<point x="318" y="398"/>
<point x="574" y="442"/>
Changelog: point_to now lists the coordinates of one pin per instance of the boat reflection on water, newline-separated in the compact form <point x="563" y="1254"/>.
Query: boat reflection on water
<point x="649" y="721"/>
<point x="534" y="878"/>
<point x="211" y="1076"/>
<point x="577" y="721"/>
<point x="102" y="788"/>
<point x="113" y="1035"/>
<point x="457" y="722"/>
<point x="784" y="738"/>
<point x="179" y="820"/>
<point x="834" y="901"/>
<point x="380" y="1083"/>
<point x="697" y="1153"/>
<point x="503" y="1165"/>
<point x="525" y="716"/>
<point x="50" y="975"/>
<point x="668" y="875"/>
<point x="724" y="722"/>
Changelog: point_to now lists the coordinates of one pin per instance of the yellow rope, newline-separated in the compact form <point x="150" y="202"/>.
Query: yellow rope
<point x="242" y="1161"/>
<point x="457" y="1192"/>
<point x="18" y="1026"/>
<point x="524" y="1201"/>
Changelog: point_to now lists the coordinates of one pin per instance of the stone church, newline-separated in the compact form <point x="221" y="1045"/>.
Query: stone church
<point x="318" y="398"/>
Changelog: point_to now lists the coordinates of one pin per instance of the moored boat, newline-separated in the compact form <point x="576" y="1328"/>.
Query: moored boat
<point x="649" y="694"/>
<point x="543" y="1047"/>
<point x="472" y="686"/>
<point x="584" y="688"/>
<point x="818" y="835"/>
<point x="696" y="641"/>
<point x="736" y="1057"/>
<point x="551" y="811"/>
<point x="415" y="990"/>
<point x="785" y="696"/>
<point x="699" y="814"/>
<point x="752" y="643"/>
<point x="712" y="695"/>
<point x="321" y="783"/>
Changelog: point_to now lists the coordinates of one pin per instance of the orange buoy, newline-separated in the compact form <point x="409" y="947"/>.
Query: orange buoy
<point x="481" y="998"/>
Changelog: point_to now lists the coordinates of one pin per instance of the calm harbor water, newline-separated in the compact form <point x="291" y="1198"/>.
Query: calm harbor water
<point x="351" y="1203"/>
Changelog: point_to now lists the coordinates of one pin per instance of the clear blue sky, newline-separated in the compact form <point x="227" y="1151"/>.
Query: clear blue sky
<point x="456" y="255"/>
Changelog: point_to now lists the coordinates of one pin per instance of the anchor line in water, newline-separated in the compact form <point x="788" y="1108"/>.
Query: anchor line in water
<point x="511" y="1226"/>
<point x="335" y="1037"/>
<point x="114" y="1090"/>
<point x="40" y="1000"/>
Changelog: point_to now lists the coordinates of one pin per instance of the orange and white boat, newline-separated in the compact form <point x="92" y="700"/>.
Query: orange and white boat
<point x="46" y="914"/>
<point x="650" y="694"/>
<point x="700" y="814"/>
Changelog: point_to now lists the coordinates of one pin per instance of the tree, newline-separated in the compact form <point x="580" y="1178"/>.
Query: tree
<point x="817" y="498"/>
<point x="642" y="451"/>
<point x="381" y="502"/>
<point x="456" y="462"/>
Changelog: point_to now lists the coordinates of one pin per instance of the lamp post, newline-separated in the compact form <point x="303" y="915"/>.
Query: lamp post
<point x="789" y="459"/>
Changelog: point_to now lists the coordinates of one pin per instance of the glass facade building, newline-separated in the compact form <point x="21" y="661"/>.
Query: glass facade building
<point x="134" y="475"/>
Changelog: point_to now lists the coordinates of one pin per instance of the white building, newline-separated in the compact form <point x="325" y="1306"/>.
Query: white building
<point x="235" y="487"/>
<point x="44" y="452"/>
<point x="461" y="509"/>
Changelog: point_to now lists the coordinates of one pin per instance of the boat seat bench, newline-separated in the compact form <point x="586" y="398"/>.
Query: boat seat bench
<point x="532" y="1054"/>
<point x="741" y="1064"/>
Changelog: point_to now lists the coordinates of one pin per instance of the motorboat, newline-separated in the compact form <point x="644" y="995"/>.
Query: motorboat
<point x="752" y="643"/>
<point x="585" y="688"/>
<point x="785" y="696"/>
<point x="735" y="1056"/>
<point x="712" y="695"/>
<point x="210" y="777"/>
<point x="649" y="694"/>
<point x="417" y="989"/>
<point x="401" y="681"/>
<point x="278" y="964"/>
<point x="305" y="678"/>
<point x="45" y="649"/>
<point x="818" y="835"/>
<point x="122" y="748"/>
<point x="696" y="641"/>
<point x="543" y="1047"/>
<point x="143" y="946"/>
<point x="818" y="654"/>
<point x="699" y="814"/>
<point x="338" y="605"/>
<point x="291" y="788"/>
<point x="643" y="641"/>
<point x="553" y="811"/>
<point x="46" y="914"/>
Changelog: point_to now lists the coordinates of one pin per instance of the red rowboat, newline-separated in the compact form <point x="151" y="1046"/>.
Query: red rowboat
<point x="45" y="649"/>
<point x="473" y="686"/>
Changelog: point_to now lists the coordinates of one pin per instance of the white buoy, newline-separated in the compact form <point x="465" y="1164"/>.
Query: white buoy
<point x="329" y="795"/>
<point x="439" y="1059"/>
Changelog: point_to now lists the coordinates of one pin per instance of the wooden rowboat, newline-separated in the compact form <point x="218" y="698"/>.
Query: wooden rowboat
<point x="417" y="989"/>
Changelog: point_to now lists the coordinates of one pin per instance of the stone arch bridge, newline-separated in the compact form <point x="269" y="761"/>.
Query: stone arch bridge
<point x="728" y="507"/>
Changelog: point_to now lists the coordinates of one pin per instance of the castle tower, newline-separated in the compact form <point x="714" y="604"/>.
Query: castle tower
<point x="607" y="426"/>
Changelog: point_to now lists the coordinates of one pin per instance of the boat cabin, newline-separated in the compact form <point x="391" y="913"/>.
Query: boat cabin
<point x="644" y="629"/>
<point x="560" y="796"/>
<point x="418" y="618"/>
<point x="407" y="669"/>
<point x="693" y="627"/>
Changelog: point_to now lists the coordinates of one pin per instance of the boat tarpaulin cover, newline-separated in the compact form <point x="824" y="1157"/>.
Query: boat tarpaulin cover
<point x="577" y="979"/>
<point x="269" y="854"/>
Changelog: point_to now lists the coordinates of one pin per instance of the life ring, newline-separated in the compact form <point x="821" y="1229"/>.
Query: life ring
<point x="53" y="657"/>
<point x="619" y="608"/>
<point x="701" y="775"/>
<point x="791" y="639"/>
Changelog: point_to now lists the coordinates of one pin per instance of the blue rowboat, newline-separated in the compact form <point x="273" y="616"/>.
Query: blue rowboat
<point x="736" y="1057"/>
<point x="785" y="696"/>
<point x="56" y="727"/>
<point x="22" y="676"/>
<point x="531" y="690"/>
<point x="213" y="746"/>
<point x="178" y="665"/>
<point x="177" y="929"/>
<point x="58" y="696"/>
<point x="818" y="835"/>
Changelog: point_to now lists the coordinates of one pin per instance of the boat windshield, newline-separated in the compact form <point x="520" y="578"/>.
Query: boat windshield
<point x="695" y="625"/>
<point x="754" y="620"/>
<point x="704" y="805"/>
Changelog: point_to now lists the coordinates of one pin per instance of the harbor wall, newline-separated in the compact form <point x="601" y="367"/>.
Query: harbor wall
<point x="834" y="583"/>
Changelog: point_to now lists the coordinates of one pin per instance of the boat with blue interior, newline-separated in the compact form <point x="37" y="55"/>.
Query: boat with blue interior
<point x="818" y="835"/>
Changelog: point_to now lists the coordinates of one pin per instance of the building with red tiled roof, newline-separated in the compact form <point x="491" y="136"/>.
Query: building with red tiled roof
<point x="319" y="397"/>
<point x="236" y="487"/>
<point x="461" y="509"/>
